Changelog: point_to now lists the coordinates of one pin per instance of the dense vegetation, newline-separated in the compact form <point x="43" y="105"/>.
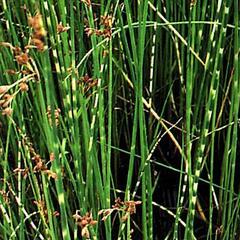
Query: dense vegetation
<point x="119" y="119"/>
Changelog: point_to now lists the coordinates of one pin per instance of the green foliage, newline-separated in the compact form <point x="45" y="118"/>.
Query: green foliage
<point x="106" y="105"/>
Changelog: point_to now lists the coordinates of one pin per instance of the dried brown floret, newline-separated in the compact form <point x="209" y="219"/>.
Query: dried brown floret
<point x="42" y="208"/>
<point x="84" y="222"/>
<point x="38" y="43"/>
<point x="6" y="100"/>
<point x="50" y="174"/>
<point x="22" y="59"/>
<point x="36" y="23"/>
<point x="127" y="207"/>
<point x="106" y="21"/>
<point x="25" y="72"/>
<point x="7" y="111"/>
<point x="56" y="115"/>
<point x="4" y="89"/>
<point x="23" y="87"/>
<point x="39" y="32"/>
<point x="107" y="33"/>
<point x="5" y="196"/>
<point x="131" y="206"/>
<point x="61" y="28"/>
<point x="23" y="171"/>
<point x="89" y="31"/>
<point x="17" y="51"/>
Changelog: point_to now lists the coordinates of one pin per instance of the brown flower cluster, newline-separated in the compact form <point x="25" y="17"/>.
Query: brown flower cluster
<point x="43" y="209"/>
<point x="39" y="31"/>
<point x="127" y="207"/>
<point x="5" y="102"/>
<point x="61" y="28"/>
<point x="106" y="22"/>
<point x="21" y="56"/>
<point x="84" y="222"/>
<point x="56" y="116"/>
<point x="40" y="164"/>
<point x="87" y="82"/>
<point x="23" y="86"/>
<point x="6" y="98"/>
<point x="28" y="72"/>
<point x="5" y="196"/>
<point x="106" y="31"/>
<point x="23" y="171"/>
<point x="28" y="66"/>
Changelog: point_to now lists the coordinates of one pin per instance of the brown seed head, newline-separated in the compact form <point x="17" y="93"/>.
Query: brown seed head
<point x="23" y="87"/>
<point x="85" y="233"/>
<point x="83" y="223"/>
<point x="107" y="33"/>
<point x="24" y="72"/>
<point x="36" y="23"/>
<point x="38" y="43"/>
<point x="93" y="222"/>
<point x="7" y="111"/>
<point x="22" y="59"/>
<point x="5" y="104"/>
<point x="89" y="31"/>
<point x="61" y="28"/>
<point x="50" y="174"/>
<point x="7" y="97"/>
<point x="17" y="51"/>
<point x="36" y="158"/>
<point x="106" y="21"/>
<point x="4" y="89"/>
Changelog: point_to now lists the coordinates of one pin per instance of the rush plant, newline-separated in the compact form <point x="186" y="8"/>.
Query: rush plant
<point x="119" y="119"/>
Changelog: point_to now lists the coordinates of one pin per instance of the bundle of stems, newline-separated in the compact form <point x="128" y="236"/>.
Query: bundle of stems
<point x="119" y="119"/>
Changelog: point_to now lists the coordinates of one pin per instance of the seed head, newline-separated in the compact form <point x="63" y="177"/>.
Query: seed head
<point x="38" y="43"/>
<point x="7" y="111"/>
<point x="23" y="87"/>
<point x="4" y="89"/>
<point x="61" y="28"/>
<point x="36" y="23"/>
<point x="22" y="59"/>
